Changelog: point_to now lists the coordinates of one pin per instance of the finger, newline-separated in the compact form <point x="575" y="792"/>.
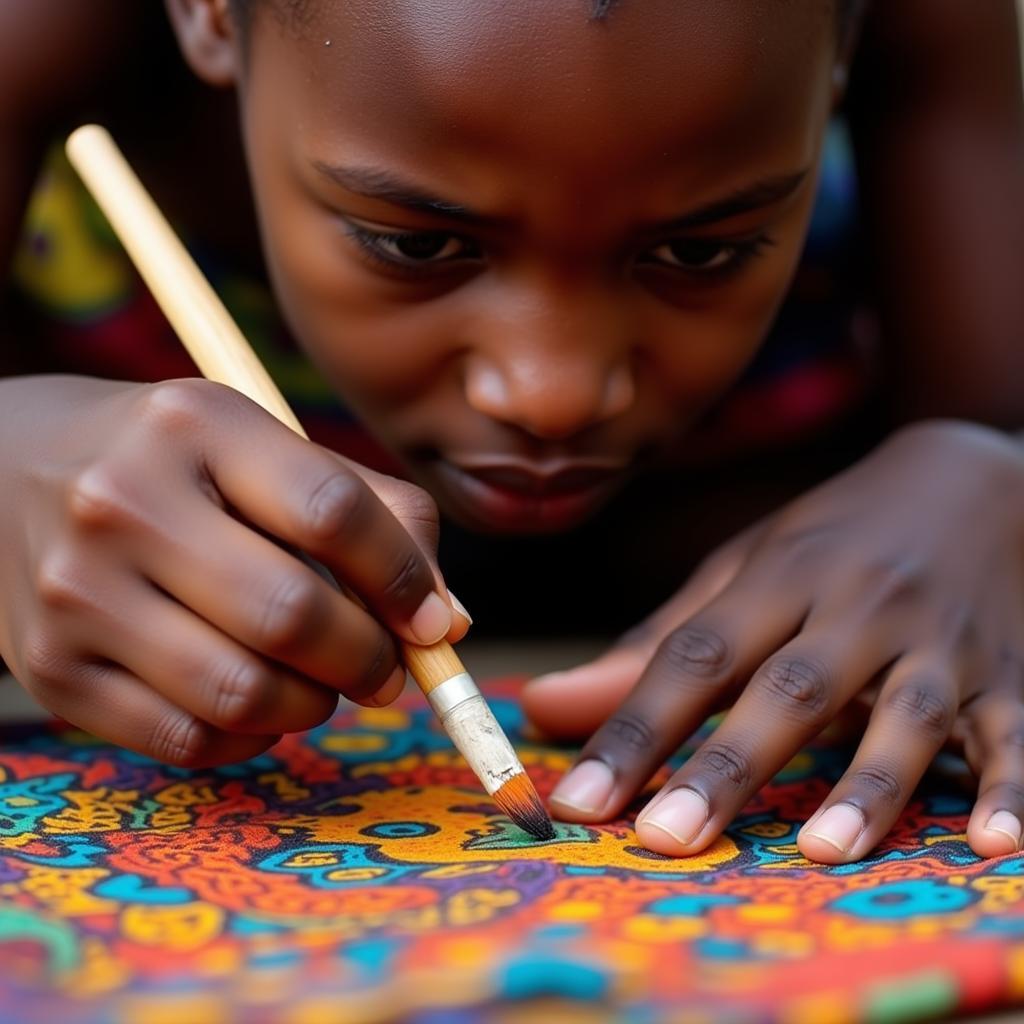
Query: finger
<point x="570" y="705"/>
<point x="995" y="750"/>
<point x="909" y="724"/>
<point x="417" y="513"/>
<point x="311" y="499"/>
<point x="111" y="703"/>
<point x="789" y="699"/>
<point x="203" y="671"/>
<point x="334" y="516"/>
<point x="266" y="599"/>
<point x="693" y="668"/>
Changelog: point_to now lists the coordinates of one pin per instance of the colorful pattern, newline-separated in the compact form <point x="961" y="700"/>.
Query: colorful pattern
<point x="358" y="874"/>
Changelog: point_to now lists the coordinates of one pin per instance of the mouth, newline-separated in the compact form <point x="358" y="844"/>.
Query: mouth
<point x="507" y="495"/>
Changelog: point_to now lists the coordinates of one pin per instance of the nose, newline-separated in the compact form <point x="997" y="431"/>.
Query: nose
<point x="553" y="365"/>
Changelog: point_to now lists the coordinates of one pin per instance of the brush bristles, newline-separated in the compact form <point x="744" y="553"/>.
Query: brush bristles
<point x="519" y="800"/>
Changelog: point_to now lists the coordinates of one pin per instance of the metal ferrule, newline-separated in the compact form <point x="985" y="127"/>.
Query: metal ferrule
<point x="451" y="693"/>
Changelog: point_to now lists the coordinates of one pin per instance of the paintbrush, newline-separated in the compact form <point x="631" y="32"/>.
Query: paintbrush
<point x="222" y="354"/>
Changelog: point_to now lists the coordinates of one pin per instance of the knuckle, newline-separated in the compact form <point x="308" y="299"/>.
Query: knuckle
<point x="333" y="505"/>
<point x="805" y="545"/>
<point x="630" y="731"/>
<point x="413" y="504"/>
<point x="174" y="406"/>
<point x="895" y="581"/>
<point x="46" y="662"/>
<point x="726" y="761"/>
<point x="240" y="690"/>
<point x="372" y="662"/>
<point x="880" y="781"/>
<point x="99" y="498"/>
<point x="695" y="651"/>
<point x="801" y="685"/>
<point x="177" y="738"/>
<point x="381" y="661"/>
<point x="61" y="584"/>
<point x="409" y="581"/>
<point x="924" y="705"/>
<point x="287" y="611"/>
<point x="1013" y="740"/>
<point x="1008" y="793"/>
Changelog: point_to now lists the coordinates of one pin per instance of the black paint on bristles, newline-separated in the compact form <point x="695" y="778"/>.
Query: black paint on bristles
<point x="519" y="800"/>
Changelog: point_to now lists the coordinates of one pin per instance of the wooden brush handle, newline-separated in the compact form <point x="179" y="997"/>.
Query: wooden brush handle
<point x="199" y="318"/>
<point x="193" y="308"/>
<point x="431" y="666"/>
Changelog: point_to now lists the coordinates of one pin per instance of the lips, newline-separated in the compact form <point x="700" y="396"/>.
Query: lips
<point x="539" y="484"/>
<point x="514" y="496"/>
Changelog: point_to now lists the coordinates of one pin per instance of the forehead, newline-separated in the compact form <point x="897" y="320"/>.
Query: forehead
<point x="543" y="82"/>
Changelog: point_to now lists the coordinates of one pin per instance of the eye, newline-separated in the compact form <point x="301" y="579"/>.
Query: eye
<point x="705" y="255"/>
<point x="694" y="253"/>
<point x="412" y="248"/>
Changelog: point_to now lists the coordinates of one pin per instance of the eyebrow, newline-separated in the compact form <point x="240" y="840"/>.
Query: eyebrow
<point x="377" y="184"/>
<point x="374" y="183"/>
<point x="765" y="192"/>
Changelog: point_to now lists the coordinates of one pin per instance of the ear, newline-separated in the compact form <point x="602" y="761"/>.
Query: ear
<point x="208" y="38"/>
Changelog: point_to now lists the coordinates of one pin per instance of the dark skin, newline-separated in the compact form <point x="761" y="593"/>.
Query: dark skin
<point x="525" y="314"/>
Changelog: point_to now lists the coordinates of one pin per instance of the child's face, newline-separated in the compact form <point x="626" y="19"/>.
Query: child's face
<point x="528" y="248"/>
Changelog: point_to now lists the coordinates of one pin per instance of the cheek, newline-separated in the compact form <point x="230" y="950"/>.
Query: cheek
<point x="704" y="343"/>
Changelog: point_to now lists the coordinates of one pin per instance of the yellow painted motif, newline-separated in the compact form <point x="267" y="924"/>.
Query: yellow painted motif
<point x="186" y="794"/>
<point x="353" y="743"/>
<point x="285" y="788"/>
<point x="66" y="891"/>
<point x="177" y="927"/>
<point x="94" y="810"/>
<point x="467" y="826"/>
<point x="392" y="719"/>
<point x="474" y="906"/>
<point x="656" y="928"/>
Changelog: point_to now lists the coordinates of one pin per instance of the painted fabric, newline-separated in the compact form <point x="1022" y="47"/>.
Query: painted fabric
<point x="358" y="874"/>
<point x="97" y="317"/>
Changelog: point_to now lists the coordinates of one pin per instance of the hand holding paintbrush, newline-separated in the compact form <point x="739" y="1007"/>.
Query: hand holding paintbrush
<point x="222" y="354"/>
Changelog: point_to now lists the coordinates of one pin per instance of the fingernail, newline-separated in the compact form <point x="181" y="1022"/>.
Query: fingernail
<point x="681" y="813"/>
<point x="840" y="826"/>
<point x="460" y="607"/>
<point x="1006" y="824"/>
<point x="586" y="788"/>
<point x="432" y="620"/>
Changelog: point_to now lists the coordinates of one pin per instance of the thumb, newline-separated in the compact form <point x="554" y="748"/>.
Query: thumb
<point x="570" y="705"/>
